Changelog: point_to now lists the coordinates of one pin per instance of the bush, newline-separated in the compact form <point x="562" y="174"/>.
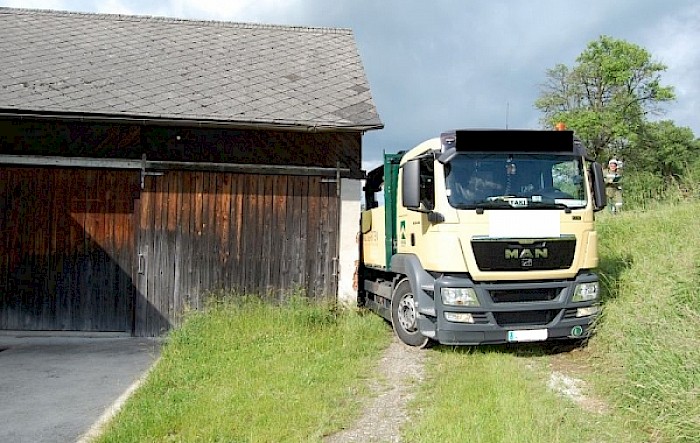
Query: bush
<point x="643" y="190"/>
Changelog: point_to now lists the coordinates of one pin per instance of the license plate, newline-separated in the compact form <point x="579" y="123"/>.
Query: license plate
<point x="528" y="335"/>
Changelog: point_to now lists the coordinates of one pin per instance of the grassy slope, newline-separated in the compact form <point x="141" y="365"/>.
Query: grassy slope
<point x="648" y="345"/>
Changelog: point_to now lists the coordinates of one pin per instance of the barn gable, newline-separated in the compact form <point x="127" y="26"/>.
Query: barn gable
<point x="146" y="161"/>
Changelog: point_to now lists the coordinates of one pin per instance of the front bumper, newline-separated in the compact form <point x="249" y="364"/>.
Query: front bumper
<point x="543" y="309"/>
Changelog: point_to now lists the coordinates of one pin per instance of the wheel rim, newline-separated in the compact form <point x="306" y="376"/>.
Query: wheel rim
<point x="407" y="313"/>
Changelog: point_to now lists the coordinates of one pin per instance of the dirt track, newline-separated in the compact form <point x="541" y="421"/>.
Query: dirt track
<point x="399" y="372"/>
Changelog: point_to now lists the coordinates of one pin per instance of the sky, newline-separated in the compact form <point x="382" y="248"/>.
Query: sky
<point x="447" y="64"/>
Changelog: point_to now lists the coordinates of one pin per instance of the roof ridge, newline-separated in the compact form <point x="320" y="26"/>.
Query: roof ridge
<point x="181" y="21"/>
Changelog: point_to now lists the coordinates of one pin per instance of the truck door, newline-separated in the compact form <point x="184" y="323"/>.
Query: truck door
<point x="412" y="225"/>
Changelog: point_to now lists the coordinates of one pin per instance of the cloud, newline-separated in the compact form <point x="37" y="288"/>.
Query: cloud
<point x="254" y="11"/>
<point x="673" y="41"/>
<point x="263" y="11"/>
<point x="37" y="4"/>
<point x="258" y="11"/>
<point x="115" y="7"/>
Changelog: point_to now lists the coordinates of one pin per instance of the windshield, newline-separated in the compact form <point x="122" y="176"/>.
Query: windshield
<point x="515" y="180"/>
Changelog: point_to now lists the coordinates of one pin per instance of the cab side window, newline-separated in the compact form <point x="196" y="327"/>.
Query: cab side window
<point x="427" y="183"/>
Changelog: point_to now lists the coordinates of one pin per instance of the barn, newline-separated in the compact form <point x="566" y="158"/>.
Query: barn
<point x="146" y="162"/>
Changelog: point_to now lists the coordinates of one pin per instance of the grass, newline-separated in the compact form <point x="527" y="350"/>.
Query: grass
<point x="647" y="348"/>
<point x="499" y="394"/>
<point x="253" y="372"/>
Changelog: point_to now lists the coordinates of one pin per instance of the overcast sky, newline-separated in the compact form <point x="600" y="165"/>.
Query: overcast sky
<point x="446" y="64"/>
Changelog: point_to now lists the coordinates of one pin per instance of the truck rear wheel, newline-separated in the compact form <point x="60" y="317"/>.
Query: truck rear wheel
<point x="404" y="316"/>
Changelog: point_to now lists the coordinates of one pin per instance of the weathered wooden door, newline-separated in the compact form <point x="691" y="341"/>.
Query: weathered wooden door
<point x="259" y="234"/>
<point x="67" y="249"/>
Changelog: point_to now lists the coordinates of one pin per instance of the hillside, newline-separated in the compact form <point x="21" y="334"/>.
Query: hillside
<point x="647" y="349"/>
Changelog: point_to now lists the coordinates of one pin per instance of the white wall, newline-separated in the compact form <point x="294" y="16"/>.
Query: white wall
<point x="349" y="254"/>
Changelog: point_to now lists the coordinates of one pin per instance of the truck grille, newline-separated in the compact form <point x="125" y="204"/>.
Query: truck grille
<point x="524" y="295"/>
<point x="480" y="318"/>
<point x="569" y="314"/>
<point x="505" y="255"/>
<point x="525" y="317"/>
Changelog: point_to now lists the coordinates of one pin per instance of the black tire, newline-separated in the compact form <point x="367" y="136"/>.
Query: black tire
<point x="404" y="316"/>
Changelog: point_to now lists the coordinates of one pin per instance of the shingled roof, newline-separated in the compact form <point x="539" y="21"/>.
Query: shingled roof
<point x="97" y="66"/>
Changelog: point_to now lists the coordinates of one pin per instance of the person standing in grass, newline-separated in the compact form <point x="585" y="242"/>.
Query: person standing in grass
<point x="613" y="185"/>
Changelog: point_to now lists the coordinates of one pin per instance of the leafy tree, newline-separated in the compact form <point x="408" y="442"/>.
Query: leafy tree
<point x="607" y="96"/>
<point x="664" y="149"/>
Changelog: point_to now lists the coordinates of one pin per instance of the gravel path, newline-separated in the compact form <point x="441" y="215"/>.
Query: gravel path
<point x="400" y="371"/>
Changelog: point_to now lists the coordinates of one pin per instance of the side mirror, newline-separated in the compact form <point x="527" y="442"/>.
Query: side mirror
<point x="410" y="191"/>
<point x="410" y="185"/>
<point x="599" y="197"/>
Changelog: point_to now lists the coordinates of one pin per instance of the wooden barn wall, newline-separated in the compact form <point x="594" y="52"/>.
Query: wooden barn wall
<point x="67" y="249"/>
<point x="89" y="250"/>
<point x="246" y="146"/>
<point x="257" y="234"/>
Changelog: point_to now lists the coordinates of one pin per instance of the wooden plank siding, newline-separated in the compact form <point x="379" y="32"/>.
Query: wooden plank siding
<point x="242" y="233"/>
<point x="66" y="249"/>
<point x="86" y="249"/>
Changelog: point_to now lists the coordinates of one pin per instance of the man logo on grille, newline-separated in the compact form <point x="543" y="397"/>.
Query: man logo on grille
<point x="527" y="253"/>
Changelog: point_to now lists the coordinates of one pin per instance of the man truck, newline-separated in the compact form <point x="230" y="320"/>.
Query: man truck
<point x="483" y="236"/>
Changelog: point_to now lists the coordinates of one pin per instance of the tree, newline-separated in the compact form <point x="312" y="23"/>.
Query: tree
<point x="664" y="149"/>
<point x="607" y="96"/>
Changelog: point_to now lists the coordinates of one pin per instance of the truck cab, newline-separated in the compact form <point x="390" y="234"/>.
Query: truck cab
<point x="484" y="236"/>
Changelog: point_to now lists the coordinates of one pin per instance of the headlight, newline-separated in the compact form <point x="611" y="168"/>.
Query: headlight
<point x="586" y="292"/>
<point x="459" y="297"/>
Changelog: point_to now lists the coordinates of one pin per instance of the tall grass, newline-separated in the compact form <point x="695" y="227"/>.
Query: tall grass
<point x="253" y="372"/>
<point x="647" y="346"/>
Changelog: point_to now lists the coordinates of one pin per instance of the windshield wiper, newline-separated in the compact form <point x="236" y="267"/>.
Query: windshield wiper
<point x="490" y="204"/>
<point x="549" y="205"/>
<point x="506" y="204"/>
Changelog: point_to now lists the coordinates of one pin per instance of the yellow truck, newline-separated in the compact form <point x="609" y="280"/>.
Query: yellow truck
<point x="483" y="236"/>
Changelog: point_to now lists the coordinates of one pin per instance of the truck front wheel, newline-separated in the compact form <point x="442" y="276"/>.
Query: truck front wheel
<point x="404" y="316"/>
